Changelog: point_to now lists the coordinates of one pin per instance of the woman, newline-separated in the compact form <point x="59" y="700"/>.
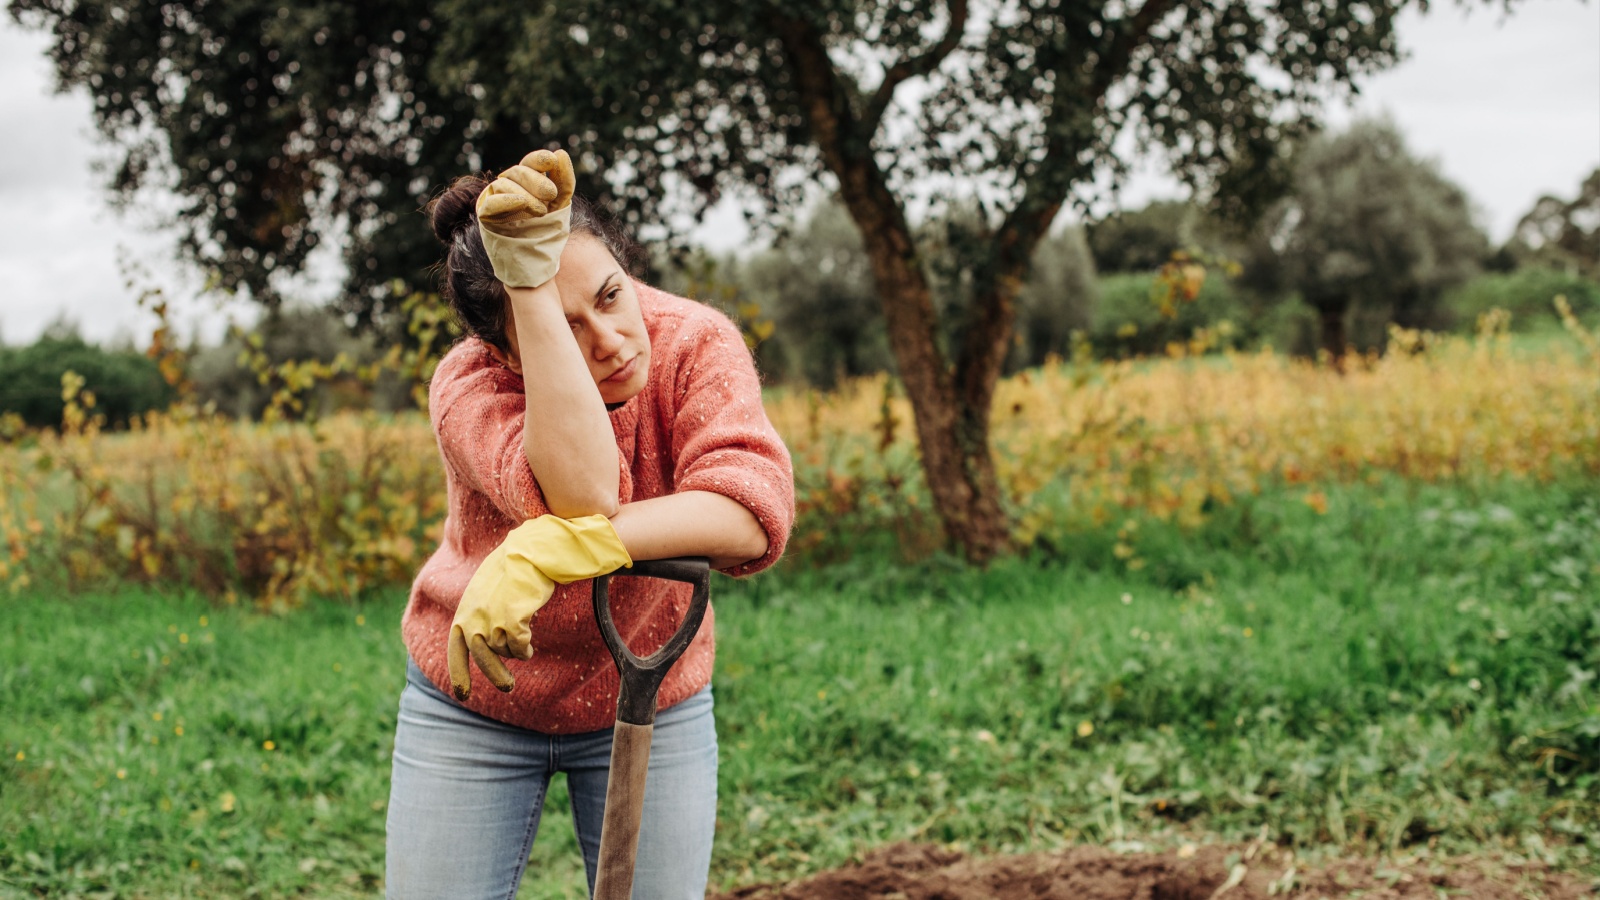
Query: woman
<point x="586" y="420"/>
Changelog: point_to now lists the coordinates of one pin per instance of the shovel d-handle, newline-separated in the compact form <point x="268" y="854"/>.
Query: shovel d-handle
<point x="636" y="716"/>
<point x="641" y="678"/>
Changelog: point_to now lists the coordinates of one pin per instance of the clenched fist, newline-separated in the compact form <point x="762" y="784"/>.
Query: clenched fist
<point x="525" y="216"/>
<point x="541" y="184"/>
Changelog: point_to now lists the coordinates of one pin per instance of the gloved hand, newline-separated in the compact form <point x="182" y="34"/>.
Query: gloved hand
<point x="524" y="217"/>
<point x="514" y="581"/>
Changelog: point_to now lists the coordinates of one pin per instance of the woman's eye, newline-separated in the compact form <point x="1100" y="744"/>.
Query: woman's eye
<point x="611" y="298"/>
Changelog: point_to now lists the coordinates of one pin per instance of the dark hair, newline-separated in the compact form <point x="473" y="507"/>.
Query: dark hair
<point x="468" y="284"/>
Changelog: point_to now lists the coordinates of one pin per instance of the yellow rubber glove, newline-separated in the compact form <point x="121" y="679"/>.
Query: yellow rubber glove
<point x="525" y="216"/>
<point x="514" y="581"/>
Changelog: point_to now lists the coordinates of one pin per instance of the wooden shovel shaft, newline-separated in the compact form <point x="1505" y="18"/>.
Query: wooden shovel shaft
<point x="619" y="831"/>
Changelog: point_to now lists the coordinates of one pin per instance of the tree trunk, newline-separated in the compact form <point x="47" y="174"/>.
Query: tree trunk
<point x="952" y="427"/>
<point x="1334" y="339"/>
<point x="951" y="419"/>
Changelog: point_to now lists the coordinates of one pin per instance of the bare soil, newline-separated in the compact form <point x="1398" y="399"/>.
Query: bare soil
<point x="927" y="872"/>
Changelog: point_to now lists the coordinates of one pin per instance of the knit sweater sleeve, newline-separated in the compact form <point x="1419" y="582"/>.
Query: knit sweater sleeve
<point x="722" y="440"/>
<point x="478" y="409"/>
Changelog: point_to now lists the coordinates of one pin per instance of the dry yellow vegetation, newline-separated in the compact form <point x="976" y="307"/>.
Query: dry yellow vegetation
<point x="279" y="511"/>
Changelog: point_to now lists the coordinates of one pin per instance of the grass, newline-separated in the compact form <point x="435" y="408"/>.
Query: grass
<point x="1414" y="667"/>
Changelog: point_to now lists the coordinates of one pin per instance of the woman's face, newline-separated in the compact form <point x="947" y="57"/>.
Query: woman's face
<point x="603" y="310"/>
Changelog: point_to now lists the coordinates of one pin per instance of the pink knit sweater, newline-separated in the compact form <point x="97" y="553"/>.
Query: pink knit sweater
<point x="698" y="425"/>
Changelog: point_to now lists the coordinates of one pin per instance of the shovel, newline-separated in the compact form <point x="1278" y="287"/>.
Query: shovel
<point x="636" y="716"/>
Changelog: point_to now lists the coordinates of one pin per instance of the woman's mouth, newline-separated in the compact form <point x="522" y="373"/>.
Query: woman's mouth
<point x="623" y="374"/>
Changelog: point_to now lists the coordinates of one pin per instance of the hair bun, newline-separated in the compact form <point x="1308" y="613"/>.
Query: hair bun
<point x="455" y="207"/>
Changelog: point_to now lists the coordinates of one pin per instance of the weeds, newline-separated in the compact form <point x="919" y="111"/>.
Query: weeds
<point x="283" y="510"/>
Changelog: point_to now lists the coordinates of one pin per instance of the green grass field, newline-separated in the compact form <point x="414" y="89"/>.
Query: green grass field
<point x="1417" y="666"/>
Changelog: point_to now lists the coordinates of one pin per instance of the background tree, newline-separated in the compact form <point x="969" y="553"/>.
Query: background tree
<point x="1367" y="227"/>
<point x="1143" y="240"/>
<point x="124" y="382"/>
<point x="281" y="120"/>
<point x="817" y="286"/>
<point x="1563" y="234"/>
<point x="1058" y="298"/>
<point x="222" y="377"/>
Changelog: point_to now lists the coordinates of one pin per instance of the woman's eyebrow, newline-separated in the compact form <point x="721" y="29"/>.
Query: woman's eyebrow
<point x="603" y="285"/>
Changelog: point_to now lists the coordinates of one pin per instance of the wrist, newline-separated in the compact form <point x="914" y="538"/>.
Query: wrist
<point x="538" y="320"/>
<point x="534" y="297"/>
<point x="528" y="253"/>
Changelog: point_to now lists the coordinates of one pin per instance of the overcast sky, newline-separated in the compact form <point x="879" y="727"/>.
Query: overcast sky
<point x="1509" y="107"/>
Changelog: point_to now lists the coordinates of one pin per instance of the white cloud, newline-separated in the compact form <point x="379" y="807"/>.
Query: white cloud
<point x="1509" y="106"/>
<point x="61" y="244"/>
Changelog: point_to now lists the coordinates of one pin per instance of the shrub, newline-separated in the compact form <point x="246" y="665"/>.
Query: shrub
<point x="1128" y="323"/>
<point x="124" y="383"/>
<point x="345" y="504"/>
<point x="1527" y="295"/>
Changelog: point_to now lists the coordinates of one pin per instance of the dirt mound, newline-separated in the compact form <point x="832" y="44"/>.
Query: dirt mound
<point x="924" y="872"/>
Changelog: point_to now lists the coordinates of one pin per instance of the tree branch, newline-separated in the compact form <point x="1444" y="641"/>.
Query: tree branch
<point x="824" y="94"/>
<point x="1040" y="203"/>
<point x="915" y="67"/>
<point x="983" y="350"/>
<point x="1121" y="52"/>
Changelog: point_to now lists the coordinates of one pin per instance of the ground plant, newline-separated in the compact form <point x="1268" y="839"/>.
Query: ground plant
<point x="1410" y="671"/>
<point x="276" y="512"/>
<point x="1259" y="599"/>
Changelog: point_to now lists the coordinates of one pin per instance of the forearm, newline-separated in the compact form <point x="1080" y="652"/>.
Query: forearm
<point x="691" y="523"/>
<point x="567" y="434"/>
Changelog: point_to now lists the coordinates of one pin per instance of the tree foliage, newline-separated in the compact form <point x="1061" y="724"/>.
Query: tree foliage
<point x="124" y="382"/>
<point x="283" y="120"/>
<point x="1144" y="239"/>
<point x="817" y="286"/>
<point x="1368" y="229"/>
<point x="1563" y="234"/>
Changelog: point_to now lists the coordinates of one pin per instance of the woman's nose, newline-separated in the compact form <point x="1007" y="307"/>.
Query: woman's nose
<point x="607" y="341"/>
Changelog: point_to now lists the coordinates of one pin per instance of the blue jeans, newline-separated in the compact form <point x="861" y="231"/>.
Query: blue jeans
<point x="467" y="792"/>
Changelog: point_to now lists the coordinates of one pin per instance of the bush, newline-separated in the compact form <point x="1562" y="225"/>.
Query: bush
<point x="1527" y="295"/>
<point x="351" y="504"/>
<point x="275" y="513"/>
<point x="124" y="383"/>
<point x="223" y="377"/>
<point x="1127" y="321"/>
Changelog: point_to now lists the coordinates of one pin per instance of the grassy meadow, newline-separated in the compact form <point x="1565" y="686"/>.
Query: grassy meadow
<point x="1352" y="612"/>
<point x="1403" y="667"/>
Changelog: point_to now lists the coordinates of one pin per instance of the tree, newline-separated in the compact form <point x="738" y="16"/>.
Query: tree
<point x="1563" y="234"/>
<point x="1143" y="240"/>
<point x="1368" y="227"/>
<point x="817" y="286"/>
<point x="282" y="118"/>
<point x="1057" y="299"/>
<point x="124" y="383"/>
